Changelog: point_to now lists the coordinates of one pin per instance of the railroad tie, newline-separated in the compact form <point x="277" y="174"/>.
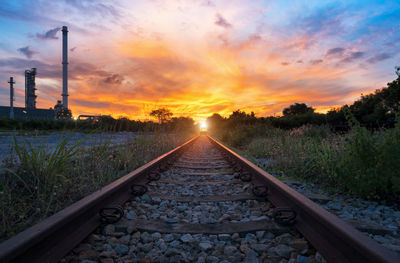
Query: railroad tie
<point x="194" y="212"/>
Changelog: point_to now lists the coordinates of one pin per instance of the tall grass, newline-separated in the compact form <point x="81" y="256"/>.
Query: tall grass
<point x="362" y="163"/>
<point x="41" y="168"/>
<point x="37" y="183"/>
<point x="370" y="163"/>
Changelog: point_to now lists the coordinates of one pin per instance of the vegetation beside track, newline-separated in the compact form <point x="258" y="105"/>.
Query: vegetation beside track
<point x="363" y="159"/>
<point x="362" y="163"/>
<point x="100" y="124"/>
<point x="35" y="183"/>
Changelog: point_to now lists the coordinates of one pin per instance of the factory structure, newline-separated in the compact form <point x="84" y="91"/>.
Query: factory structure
<point x="60" y="111"/>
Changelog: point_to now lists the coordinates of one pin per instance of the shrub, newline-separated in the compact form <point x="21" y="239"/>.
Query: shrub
<point x="363" y="163"/>
<point x="370" y="162"/>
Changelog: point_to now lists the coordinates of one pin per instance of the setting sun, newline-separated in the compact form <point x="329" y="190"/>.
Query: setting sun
<point x="199" y="131"/>
<point x="201" y="58"/>
<point x="203" y="125"/>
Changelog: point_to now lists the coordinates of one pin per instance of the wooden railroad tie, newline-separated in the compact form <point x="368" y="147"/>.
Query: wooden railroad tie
<point x="209" y="198"/>
<point x="217" y="228"/>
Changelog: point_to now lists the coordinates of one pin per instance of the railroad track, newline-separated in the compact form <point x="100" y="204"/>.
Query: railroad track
<point x="200" y="202"/>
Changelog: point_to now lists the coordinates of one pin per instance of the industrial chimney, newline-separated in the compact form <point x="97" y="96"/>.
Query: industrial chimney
<point x="30" y="87"/>
<point x="65" y="67"/>
<point x="11" y="97"/>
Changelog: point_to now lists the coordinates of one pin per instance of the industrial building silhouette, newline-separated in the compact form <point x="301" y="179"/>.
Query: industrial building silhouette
<point x="30" y="111"/>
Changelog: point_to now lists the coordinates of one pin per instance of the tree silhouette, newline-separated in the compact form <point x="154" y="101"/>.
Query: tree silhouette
<point x="297" y="108"/>
<point x="215" y="121"/>
<point x="162" y="114"/>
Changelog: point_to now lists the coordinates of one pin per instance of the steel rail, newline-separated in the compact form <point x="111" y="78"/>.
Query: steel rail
<point x="51" y="239"/>
<point x="55" y="236"/>
<point x="336" y="240"/>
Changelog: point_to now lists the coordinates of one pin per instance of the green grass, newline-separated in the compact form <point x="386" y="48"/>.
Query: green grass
<point x="35" y="183"/>
<point x="361" y="163"/>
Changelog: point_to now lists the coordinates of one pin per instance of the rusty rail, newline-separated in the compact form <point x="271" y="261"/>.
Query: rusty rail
<point x="336" y="240"/>
<point x="55" y="236"/>
<point x="51" y="239"/>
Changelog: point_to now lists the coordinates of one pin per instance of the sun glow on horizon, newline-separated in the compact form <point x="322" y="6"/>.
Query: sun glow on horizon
<point x="203" y="126"/>
<point x="197" y="58"/>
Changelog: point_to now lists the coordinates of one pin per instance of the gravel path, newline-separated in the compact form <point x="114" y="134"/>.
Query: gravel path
<point x="349" y="208"/>
<point x="124" y="242"/>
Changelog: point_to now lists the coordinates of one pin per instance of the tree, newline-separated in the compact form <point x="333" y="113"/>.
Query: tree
<point x="380" y="106"/>
<point x="296" y="109"/>
<point x="241" y="117"/>
<point x="373" y="110"/>
<point x="181" y="124"/>
<point x="216" y="121"/>
<point x="162" y="114"/>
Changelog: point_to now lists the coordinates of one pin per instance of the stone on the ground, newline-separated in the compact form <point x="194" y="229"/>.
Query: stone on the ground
<point x="121" y="249"/>
<point x="251" y="257"/>
<point x="205" y="246"/>
<point x="283" y="250"/>
<point x="187" y="238"/>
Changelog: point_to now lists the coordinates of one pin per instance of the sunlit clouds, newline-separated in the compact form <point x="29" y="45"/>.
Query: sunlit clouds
<point x="128" y="58"/>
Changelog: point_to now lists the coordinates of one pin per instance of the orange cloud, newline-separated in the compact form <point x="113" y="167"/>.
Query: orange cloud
<point x="196" y="60"/>
<point x="152" y="74"/>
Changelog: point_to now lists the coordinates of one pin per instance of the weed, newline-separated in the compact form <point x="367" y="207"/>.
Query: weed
<point x="41" y="167"/>
<point x="42" y="182"/>
<point x="362" y="163"/>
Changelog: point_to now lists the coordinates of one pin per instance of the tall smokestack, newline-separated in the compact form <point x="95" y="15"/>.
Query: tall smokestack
<point x="11" y="97"/>
<point x="65" y="67"/>
<point x="30" y="87"/>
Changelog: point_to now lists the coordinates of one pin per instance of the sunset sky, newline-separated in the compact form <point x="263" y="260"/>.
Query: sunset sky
<point x="129" y="57"/>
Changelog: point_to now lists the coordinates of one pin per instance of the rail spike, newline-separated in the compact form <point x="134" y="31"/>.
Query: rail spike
<point x="138" y="189"/>
<point x="163" y="167"/>
<point x="153" y="176"/>
<point x="245" y="176"/>
<point x="260" y="190"/>
<point x="111" y="214"/>
<point x="284" y="216"/>
<point x="337" y="241"/>
<point x="238" y="168"/>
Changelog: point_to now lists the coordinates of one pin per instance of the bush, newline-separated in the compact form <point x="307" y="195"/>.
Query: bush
<point x="362" y="163"/>
<point x="370" y="163"/>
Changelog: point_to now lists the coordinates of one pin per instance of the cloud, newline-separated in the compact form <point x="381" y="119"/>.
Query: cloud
<point x="76" y="71"/>
<point x="300" y="43"/>
<point x="379" y="57"/>
<point x="51" y="34"/>
<point x="90" y="103"/>
<point x="188" y="70"/>
<point x="114" y="79"/>
<point x="208" y="3"/>
<point x="44" y="70"/>
<point x="95" y="8"/>
<point x="326" y="21"/>
<point x="344" y="55"/>
<point x="338" y="51"/>
<point x="27" y="51"/>
<point x="222" y="22"/>
<point x="352" y="56"/>
<point x="17" y="63"/>
<point x="316" y="61"/>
